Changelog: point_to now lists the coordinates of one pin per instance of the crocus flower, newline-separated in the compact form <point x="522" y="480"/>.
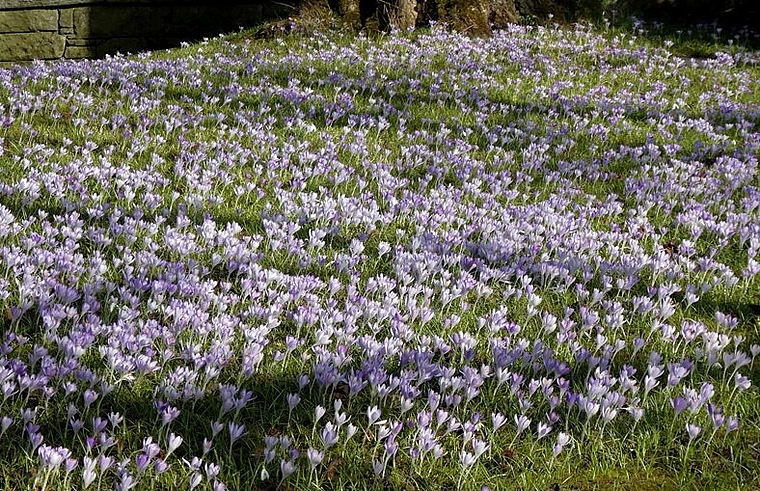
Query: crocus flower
<point x="693" y="430"/>
<point x="174" y="441"/>
<point x="562" y="441"/>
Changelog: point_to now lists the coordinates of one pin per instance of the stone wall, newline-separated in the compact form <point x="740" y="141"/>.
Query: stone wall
<point x="54" y="29"/>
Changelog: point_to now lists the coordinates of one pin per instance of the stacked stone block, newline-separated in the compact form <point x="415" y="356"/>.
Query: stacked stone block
<point x="54" y="29"/>
<point x="31" y="34"/>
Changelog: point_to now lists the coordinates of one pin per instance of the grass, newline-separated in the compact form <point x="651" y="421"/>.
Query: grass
<point x="387" y="205"/>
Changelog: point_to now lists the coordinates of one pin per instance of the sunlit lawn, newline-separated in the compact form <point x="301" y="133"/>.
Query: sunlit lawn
<point x="418" y="261"/>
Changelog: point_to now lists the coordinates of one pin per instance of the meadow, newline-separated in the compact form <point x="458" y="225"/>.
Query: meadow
<point x="413" y="261"/>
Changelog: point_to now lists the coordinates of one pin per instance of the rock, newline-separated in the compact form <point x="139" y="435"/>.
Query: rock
<point x="106" y="22"/>
<point x="74" y="52"/>
<point x="31" y="46"/>
<point x="13" y="21"/>
<point x="66" y="19"/>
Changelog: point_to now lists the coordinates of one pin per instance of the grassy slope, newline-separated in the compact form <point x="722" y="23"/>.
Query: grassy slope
<point x="600" y="458"/>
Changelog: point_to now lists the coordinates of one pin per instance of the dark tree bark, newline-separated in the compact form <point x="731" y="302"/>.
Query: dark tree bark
<point x="474" y="17"/>
<point x="398" y="14"/>
<point x="503" y="12"/>
<point x="467" y="16"/>
<point x="542" y="9"/>
<point x="351" y="12"/>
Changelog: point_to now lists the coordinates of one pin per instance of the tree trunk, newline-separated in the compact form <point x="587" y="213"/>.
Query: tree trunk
<point x="473" y="17"/>
<point x="542" y="9"/>
<point x="351" y="13"/>
<point x="467" y="16"/>
<point x="397" y="14"/>
<point x="407" y="14"/>
<point x="427" y="11"/>
<point x="503" y="12"/>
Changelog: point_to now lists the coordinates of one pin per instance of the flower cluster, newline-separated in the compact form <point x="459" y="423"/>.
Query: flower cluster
<point x="421" y="250"/>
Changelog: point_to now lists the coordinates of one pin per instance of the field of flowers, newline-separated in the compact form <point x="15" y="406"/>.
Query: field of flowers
<point x="421" y="261"/>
